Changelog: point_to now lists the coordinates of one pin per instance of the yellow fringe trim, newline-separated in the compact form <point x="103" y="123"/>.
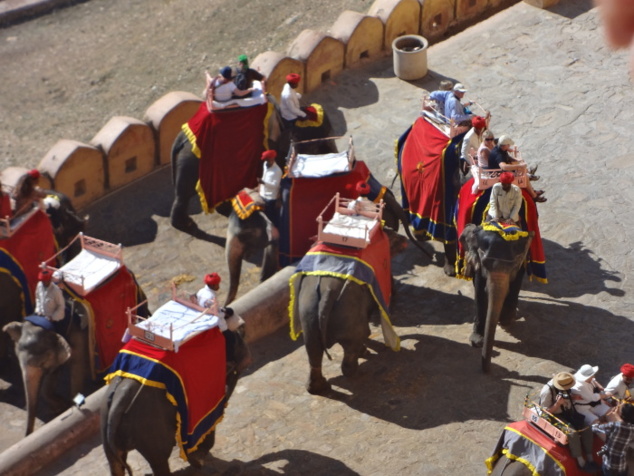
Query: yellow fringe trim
<point x="316" y="123"/>
<point x="294" y="333"/>
<point x="244" y="212"/>
<point x="152" y="383"/>
<point x="192" y="140"/>
<point x="507" y="236"/>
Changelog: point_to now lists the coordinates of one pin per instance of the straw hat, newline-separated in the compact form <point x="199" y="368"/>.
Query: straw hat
<point x="563" y="381"/>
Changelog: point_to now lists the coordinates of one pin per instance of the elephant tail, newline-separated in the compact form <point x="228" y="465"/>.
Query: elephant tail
<point x="326" y="306"/>
<point x="116" y="406"/>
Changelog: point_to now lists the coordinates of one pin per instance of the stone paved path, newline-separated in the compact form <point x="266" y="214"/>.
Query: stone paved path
<point x="428" y="410"/>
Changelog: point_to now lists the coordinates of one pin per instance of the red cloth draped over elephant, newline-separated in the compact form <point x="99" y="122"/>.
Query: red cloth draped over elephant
<point x="22" y="254"/>
<point x="304" y="199"/>
<point x="472" y="208"/>
<point x="229" y="144"/>
<point x="193" y="378"/>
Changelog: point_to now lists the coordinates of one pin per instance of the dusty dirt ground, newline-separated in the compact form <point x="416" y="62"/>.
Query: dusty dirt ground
<point x="66" y="74"/>
<point x="550" y="82"/>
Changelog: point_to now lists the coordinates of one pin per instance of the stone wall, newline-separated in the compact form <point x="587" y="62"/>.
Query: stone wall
<point x="126" y="149"/>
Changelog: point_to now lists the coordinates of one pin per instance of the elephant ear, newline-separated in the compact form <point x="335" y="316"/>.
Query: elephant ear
<point x="62" y="349"/>
<point x="14" y="329"/>
<point x="469" y="241"/>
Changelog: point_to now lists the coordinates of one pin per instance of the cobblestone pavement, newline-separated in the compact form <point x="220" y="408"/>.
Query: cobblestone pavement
<point x="565" y="98"/>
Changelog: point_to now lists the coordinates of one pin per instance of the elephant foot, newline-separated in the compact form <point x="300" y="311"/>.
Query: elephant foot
<point x="507" y="319"/>
<point x="449" y="269"/>
<point x="476" y="340"/>
<point x="349" y="367"/>
<point x="186" y="224"/>
<point x="318" y="386"/>
<point x="197" y="458"/>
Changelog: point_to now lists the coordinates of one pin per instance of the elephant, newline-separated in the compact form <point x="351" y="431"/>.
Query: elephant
<point x="185" y="164"/>
<point x="335" y="310"/>
<point x="136" y="416"/>
<point x="497" y="268"/>
<point x="248" y="236"/>
<point x="42" y="351"/>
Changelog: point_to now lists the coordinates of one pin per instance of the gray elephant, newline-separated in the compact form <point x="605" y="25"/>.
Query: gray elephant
<point x="249" y="236"/>
<point x="41" y="353"/>
<point x="136" y="416"/>
<point x="246" y="237"/>
<point x="497" y="268"/>
<point x="332" y="310"/>
<point x="185" y="164"/>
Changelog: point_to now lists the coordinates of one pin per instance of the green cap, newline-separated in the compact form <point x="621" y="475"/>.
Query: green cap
<point x="243" y="59"/>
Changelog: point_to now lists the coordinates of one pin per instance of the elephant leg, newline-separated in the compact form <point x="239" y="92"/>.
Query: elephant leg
<point x="497" y="289"/>
<point x="32" y="377"/>
<point x="317" y="383"/>
<point x="450" y="259"/>
<point x="509" y="310"/>
<point x="351" y="353"/>
<point x="56" y="403"/>
<point x="197" y="458"/>
<point x="234" y="253"/>
<point x="479" y="321"/>
<point x="185" y="180"/>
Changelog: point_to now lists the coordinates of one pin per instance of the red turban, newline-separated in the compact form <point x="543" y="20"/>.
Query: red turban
<point x="212" y="279"/>
<point x="362" y="188"/>
<point x="628" y="370"/>
<point x="479" y="122"/>
<point x="293" y="78"/>
<point x="269" y="154"/>
<point x="507" y="177"/>
<point x="34" y="174"/>
<point x="44" y="275"/>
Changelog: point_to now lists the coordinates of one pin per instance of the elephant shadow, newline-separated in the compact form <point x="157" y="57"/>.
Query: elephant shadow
<point x="429" y="383"/>
<point x="575" y="271"/>
<point x="290" y="462"/>
<point x="415" y="305"/>
<point x="572" y="334"/>
<point x="274" y="347"/>
<point x="113" y="219"/>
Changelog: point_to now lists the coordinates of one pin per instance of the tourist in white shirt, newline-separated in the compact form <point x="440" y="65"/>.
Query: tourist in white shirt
<point x="471" y="143"/>
<point x="588" y="394"/>
<point x="49" y="299"/>
<point x="270" y="185"/>
<point x="505" y="201"/>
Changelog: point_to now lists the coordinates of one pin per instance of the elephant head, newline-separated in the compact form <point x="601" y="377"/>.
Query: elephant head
<point x="496" y="266"/>
<point x="245" y="237"/>
<point x="40" y="352"/>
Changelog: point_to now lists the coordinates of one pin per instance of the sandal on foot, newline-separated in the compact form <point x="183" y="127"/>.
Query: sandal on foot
<point x="540" y="199"/>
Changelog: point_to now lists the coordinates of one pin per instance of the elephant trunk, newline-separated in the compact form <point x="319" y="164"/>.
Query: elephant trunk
<point x="32" y="378"/>
<point x="497" y="288"/>
<point x="234" y="250"/>
<point x="393" y="207"/>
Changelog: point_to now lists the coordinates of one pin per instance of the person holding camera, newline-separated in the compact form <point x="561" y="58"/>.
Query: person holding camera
<point x="556" y="399"/>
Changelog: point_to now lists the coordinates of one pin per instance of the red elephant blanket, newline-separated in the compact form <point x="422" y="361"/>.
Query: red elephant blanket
<point x="107" y="305"/>
<point x="22" y="254"/>
<point x="473" y="207"/>
<point x="193" y="379"/>
<point x="521" y="441"/>
<point x="427" y="162"/>
<point x="304" y="199"/>
<point x="229" y="145"/>
<point x="370" y="266"/>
